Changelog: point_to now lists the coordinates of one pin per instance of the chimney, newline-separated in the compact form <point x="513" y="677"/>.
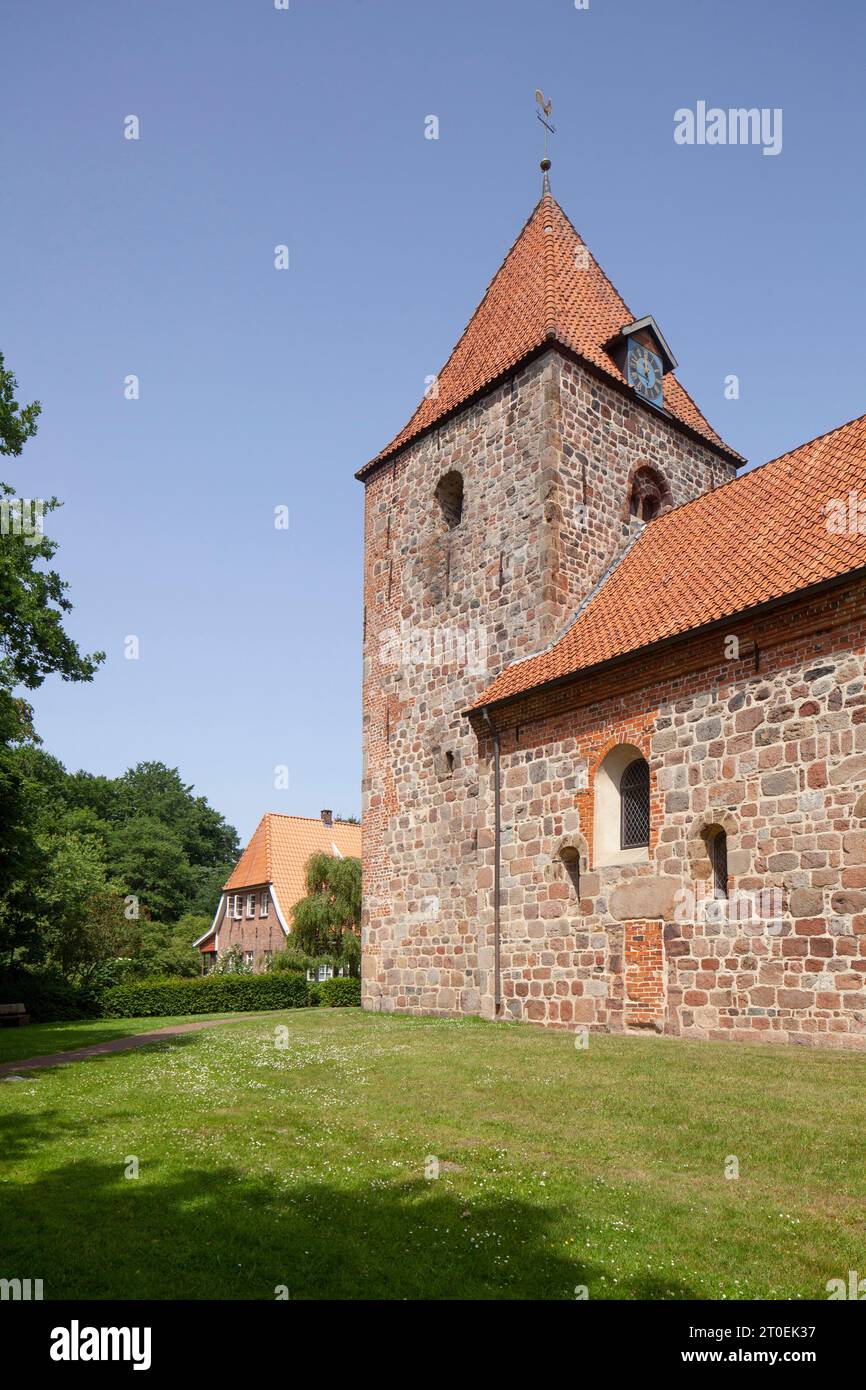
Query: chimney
<point x="327" y="818"/>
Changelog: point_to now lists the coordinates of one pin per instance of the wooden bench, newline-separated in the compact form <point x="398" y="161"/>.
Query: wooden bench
<point x="13" y="1015"/>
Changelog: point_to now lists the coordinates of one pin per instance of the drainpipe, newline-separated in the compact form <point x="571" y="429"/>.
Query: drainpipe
<point x="497" y="835"/>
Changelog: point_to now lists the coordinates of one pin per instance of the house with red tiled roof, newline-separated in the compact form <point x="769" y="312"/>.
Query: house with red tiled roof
<point x="614" y="688"/>
<point x="254" y="915"/>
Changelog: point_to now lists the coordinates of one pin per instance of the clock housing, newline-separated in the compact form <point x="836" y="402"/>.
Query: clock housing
<point x="644" y="358"/>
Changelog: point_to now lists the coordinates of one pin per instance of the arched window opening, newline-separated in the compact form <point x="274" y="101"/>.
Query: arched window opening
<point x="634" y="796"/>
<point x="649" y="493"/>
<point x="621" y="807"/>
<point x="449" y="495"/>
<point x="571" y="863"/>
<point x="718" y="850"/>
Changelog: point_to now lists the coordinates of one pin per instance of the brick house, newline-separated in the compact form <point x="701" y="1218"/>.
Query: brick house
<point x="614" y="699"/>
<point x="255" y="909"/>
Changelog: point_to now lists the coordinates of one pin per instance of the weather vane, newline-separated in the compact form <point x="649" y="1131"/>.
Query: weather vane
<point x="543" y="114"/>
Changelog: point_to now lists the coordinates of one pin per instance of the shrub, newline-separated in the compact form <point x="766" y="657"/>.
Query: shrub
<point x="340" y="992"/>
<point x="210" y="994"/>
<point x="290" y="959"/>
<point x="47" y="996"/>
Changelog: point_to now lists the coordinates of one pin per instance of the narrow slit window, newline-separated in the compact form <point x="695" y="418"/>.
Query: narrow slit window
<point x="449" y="495"/>
<point x="571" y="863"/>
<point x="719" y="860"/>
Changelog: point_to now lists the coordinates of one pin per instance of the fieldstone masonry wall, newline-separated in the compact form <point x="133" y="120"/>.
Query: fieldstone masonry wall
<point x="777" y="758"/>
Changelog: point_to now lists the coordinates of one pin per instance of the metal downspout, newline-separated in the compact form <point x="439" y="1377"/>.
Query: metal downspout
<point x="497" y="833"/>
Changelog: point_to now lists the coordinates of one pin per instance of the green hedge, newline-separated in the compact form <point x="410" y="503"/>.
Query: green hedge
<point x="47" y="996"/>
<point x="340" y="992"/>
<point x="209" y="994"/>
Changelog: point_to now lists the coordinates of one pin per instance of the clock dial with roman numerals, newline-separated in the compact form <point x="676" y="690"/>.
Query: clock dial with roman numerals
<point x="645" y="373"/>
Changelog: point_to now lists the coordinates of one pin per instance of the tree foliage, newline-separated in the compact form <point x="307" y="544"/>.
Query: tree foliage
<point x="143" y="843"/>
<point x="33" y="645"/>
<point x="327" y="921"/>
<point x="86" y="862"/>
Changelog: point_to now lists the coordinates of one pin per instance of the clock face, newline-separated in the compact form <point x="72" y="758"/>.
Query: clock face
<point x="645" y="373"/>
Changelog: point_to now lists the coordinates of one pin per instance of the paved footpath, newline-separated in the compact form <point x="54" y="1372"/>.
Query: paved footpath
<point x="80" y="1054"/>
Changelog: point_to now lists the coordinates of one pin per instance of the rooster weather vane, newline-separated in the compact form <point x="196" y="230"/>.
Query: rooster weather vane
<point x="543" y="114"/>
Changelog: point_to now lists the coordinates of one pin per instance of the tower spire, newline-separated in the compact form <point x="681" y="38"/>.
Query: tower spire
<point x="543" y="114"/>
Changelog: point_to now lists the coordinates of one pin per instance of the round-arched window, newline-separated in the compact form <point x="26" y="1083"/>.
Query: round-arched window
<point x="634" y="799"/>
<point x="649" y="493"/>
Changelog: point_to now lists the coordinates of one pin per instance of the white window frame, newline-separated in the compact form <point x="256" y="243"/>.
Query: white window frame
<point x="263" y="902"/>
<point x="238" y="912"/>
<point x="251" y="904"/>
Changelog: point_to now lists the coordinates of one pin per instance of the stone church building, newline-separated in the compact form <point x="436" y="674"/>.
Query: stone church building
<point x="614" y="704"/>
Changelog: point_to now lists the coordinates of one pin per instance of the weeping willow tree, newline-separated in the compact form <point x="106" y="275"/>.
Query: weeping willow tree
<point x="327" y="922"/>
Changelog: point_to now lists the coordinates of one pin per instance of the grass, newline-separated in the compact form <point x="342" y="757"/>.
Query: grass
<point x="41" y="1039"/>
<point x="304" y="1165"/>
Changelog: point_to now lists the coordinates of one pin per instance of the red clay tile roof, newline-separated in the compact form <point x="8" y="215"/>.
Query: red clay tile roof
<point x="760" y="537"/>
<point x="278" y="853"/>
<point x="548" y="288"/>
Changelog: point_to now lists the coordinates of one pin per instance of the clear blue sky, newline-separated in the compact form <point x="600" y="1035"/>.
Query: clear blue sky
<point x="261" y="388"/>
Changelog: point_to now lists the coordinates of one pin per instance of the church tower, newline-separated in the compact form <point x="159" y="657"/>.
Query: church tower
<point x="554" y="431"/>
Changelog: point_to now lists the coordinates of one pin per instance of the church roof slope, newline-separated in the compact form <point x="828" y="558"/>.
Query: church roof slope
<point x="548" y="289"/>
<point x="767" y="534"/>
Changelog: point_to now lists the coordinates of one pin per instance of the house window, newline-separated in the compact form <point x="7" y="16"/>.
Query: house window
<point x="238" y="907"/>
<point x="718" y="847"/>
<point x="634" y="800"/>
<point x="251" y="904"/>
<point x="263" y="903"/>
<point x="248" y="957"/>
<point x="449" y="495"/>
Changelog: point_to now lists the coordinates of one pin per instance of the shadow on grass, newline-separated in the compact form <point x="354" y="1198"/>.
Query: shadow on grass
<point x="66" y="1056"/>
<point x="18" y="1043"/>
<point x="219" y="1233"/>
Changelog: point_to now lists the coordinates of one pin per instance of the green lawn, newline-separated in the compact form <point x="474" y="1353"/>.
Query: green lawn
<point x="304" y="1165"/>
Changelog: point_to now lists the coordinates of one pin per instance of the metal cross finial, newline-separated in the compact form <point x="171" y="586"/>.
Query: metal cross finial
<point x="543" y="114"/>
